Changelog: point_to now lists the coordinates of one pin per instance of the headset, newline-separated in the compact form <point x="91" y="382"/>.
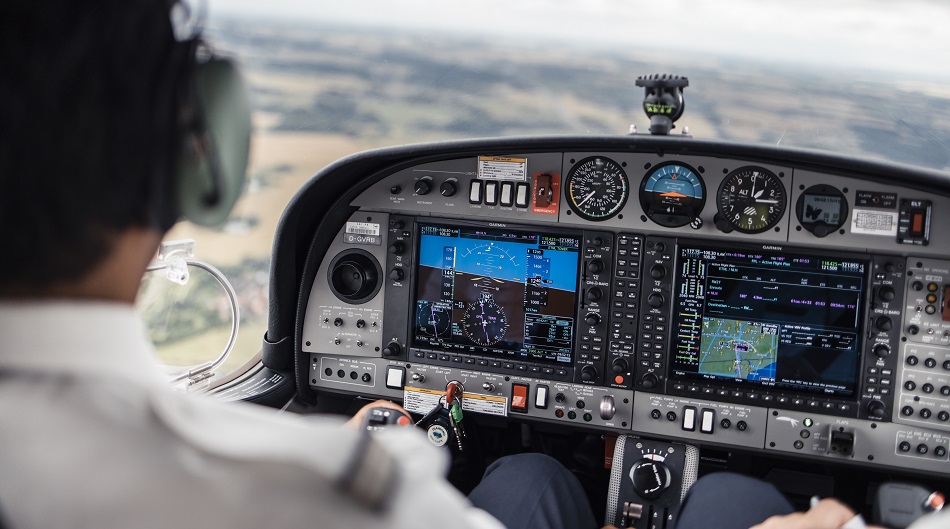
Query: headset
<point x="215" y="116"/>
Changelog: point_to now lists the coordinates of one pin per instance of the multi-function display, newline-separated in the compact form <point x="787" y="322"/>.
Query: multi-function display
<point x="502" y="293"/>
<point x="770" y="319"/>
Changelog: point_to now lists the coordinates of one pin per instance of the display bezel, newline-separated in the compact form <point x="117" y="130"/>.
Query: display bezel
<point x="504" y="353"/>
<point x="677" y="373"/>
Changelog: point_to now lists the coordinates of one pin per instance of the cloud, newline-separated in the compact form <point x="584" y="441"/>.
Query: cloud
<point x="897" y="37"/>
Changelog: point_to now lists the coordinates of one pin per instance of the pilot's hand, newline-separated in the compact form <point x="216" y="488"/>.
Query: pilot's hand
<point x="357" y="420"/>
<point x="826" y="514"/>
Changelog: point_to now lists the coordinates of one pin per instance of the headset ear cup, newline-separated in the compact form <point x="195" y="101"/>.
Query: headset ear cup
<point x="212" y="166"/>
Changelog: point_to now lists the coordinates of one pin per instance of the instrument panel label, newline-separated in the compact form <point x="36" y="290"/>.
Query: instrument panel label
<point x="365" y="233"/>
<point x="502" y="168"/>
<point x="872" y="199"/>
<point x="874" y="222"/>
<point x="362" y="228"/>
<point x="422" y="400"/>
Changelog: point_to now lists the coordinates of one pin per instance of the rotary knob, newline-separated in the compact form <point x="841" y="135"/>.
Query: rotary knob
<point x="397" y="248"/>
<point x="588" y="373"/>
<point x="396" y="274"/>
<point x="882" y="350"/>
<point x="887" y="294"/>
<point x="448" y="188"/>
<point x="393" y="349"/>
<point x="655" y="301"/>
<point x="592" y="318"/>
<point x="722" y="223"/>
<point x="594" y="294"/>
<point x="658" y="271"/>
<point x="619" y="366"/>
<point x="649" y="381"/>
<point x="423" y="186"/>
<point x="883" y="323"/>
<point x="650" y="478"/>
<point x="596" y="266"/>
<point x="876" y="409"/>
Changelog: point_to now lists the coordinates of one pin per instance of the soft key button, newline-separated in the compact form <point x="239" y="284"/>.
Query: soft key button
<point x="519" y="397"/>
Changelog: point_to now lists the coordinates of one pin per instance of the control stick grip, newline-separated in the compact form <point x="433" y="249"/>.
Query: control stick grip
<point x="381" y="417"/>
<point x="897" y="505"/>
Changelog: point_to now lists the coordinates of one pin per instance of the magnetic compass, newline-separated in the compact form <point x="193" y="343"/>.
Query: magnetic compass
<point x="672" y="194"/>
<point x="751" y="200"/>
<point x="597" y="188"/>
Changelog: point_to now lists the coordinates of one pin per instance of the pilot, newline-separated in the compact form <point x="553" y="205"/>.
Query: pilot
<point x="104" y="143"/>
<point x="725" y="500"/>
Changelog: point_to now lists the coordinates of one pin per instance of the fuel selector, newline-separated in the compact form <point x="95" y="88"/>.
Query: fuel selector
<point x="648" y="481"/>
<point x="650" y="477"/>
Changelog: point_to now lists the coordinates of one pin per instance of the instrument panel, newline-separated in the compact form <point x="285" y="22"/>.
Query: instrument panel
<point x="803" y="308"/>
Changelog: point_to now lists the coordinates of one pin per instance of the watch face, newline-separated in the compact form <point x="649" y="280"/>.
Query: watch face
<point x="752" y="199"/>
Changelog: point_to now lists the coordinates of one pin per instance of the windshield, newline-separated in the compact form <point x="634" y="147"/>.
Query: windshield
<point x="861" y="78"/>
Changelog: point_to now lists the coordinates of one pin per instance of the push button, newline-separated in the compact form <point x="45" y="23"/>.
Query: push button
<point x="395" y="377"/>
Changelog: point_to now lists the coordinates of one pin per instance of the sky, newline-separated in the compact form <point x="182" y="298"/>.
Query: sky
<point x="906" y="36"/>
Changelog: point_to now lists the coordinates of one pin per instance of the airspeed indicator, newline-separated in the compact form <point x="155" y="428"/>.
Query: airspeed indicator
<point x="597" y="188"/>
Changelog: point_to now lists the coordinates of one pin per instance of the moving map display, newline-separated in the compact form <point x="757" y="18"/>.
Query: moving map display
<point x="501" y="293"/>
<point x="768" y="319"/>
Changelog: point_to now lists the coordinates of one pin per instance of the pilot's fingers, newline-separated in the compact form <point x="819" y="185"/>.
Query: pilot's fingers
<point x="827" y="514"/>
<point x="357" y="419"/>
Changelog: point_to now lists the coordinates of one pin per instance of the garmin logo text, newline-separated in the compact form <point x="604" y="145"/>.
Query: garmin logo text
<point x="498" y="224"/>
<point x="776" y="248"/>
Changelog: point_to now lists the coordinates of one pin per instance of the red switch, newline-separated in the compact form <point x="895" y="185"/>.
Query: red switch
<point x="519" y="397"/>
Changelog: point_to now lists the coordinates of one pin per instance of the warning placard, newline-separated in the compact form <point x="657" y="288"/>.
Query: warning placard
<point x="502" y="168"/>
<point x="421" y="401"/>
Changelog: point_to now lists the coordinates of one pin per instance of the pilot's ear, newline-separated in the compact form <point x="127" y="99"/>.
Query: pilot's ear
<point x="213" y="161"/>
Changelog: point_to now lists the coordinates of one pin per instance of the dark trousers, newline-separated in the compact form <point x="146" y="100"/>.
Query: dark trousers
<point x="730" y="501"/>
<point x="533" y="490"/>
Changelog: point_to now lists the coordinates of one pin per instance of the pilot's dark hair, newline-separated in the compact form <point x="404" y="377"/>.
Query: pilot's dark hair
<point x="89" y="130"/>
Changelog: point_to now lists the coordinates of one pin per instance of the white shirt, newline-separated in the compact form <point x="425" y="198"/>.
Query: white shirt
<point x="92" y="436"/>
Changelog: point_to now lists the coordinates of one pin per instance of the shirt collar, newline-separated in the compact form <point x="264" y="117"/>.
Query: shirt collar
<point x="74" y="337"/>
